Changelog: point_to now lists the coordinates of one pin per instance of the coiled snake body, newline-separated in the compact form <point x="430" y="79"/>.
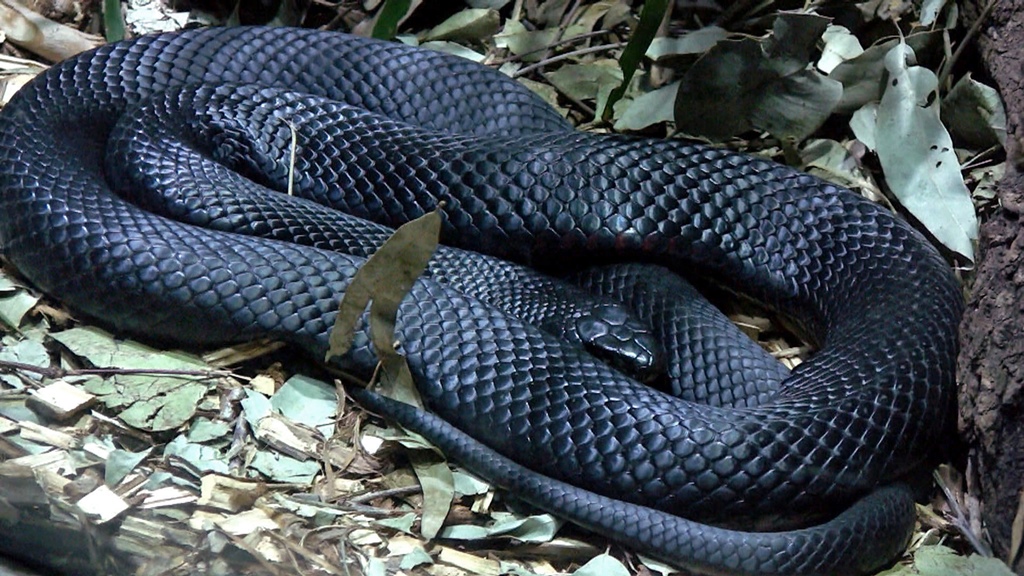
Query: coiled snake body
<point x="386" y="131"/>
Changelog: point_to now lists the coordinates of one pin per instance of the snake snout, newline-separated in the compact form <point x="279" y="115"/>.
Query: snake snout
<point x="611" y="334"/>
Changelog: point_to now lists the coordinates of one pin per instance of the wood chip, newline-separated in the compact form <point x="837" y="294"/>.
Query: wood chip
<point x="229" y="494"/>
<point x="103" y="504"/>
<point x="53" y="460"/>
<point x="167" y="496"/>
<point x="43" y="435"/>
<point x="7" y="425"/>
<point x="469" y="562"/>
<point x="289" y="437"/>
<point x="247" y="522"/>
<point x="60" y="401"/>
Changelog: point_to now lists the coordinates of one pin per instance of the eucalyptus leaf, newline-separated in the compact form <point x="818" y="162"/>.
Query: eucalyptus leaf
<point x="382" y="282"/>
<point x="942" y="561"/>
<point x="840" y="46"/>
<point x="255" y="407"/>
<point x="988" y="179"/>
<point x="438" y="490"/>
<point x="917" y="157"/>
<point x="863" y="77"/>
<point x="280" y="468"/>
<point x="602" y="565"/>
<point x="469" y="485"/>
<point x="471" y="24"/>
<point x="648" y="109"/>
<point x="796" y="105"/>
<point x="831" y="160"/>
<point x="205" y="430"/>
<point x="120" y="463"/>
<point x="455" y="50"/>
<point x="537" y="528"/>
<point x="200" y="457"/>
<point x="531" y="44"/>
<point x="418" y="557"/>
<point x="974" y="114"/>
<point x="592" y="14"/>
<point x="308" y="401"/>
<point x="153" y="402"/>
<point x="15" y="303"/>
<point x="864" y="122"/>
<point x="766" y="84"/>
<point x="28" y="352"/>
<point x="401" y="523"/>
<point x="583" y="81"/>
<point x="690" y="44"/>
<point x="534" y="45"/>
<point x="930" y="10"/>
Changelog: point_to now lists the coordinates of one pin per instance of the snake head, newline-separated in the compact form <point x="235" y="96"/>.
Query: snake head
<point x="611" y="334"/>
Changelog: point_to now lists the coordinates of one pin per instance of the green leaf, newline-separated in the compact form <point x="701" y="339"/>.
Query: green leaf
<point x="255" y="407"/>
<point x="390" y="16"/>
<point x="764" y="84"/>
<point x="308" y="401"/>
<point x="280" y="468"/>
<point x="202" y="458"/>
<point x="120" y="463"/>
<point x="649" y="109"/>
<point x="15" y="302"/>
<point x="602" y="565"/>
<point x="974" y="114"/>
<point x="438" y="487"/>
<point x="152" y="402"/>
<point x="25" y="352"/>
<point x="942" y="561"/>
<point x="690" y="44"/>
<point x="113" y="21"/>
<point x="917" y="157"/>
<point x="472" y="24"/>
<point x="205" y="430"/>
<point x="651" y="16"/>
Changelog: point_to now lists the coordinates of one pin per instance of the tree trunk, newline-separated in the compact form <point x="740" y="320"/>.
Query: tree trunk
<point x="991" y="363"/>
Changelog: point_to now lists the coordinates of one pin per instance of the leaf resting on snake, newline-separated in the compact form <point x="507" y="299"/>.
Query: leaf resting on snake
<point x="382" y="282"/>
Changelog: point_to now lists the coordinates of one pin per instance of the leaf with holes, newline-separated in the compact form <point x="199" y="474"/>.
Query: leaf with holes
<point x="917" y="154"/>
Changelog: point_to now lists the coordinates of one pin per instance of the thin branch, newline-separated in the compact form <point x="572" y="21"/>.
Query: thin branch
<point x="567" y="56"/>
<point x="56" y="372"/>
<point x="971" y="33"/>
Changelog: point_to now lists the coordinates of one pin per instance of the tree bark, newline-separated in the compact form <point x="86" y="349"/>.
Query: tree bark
<point x="991" y="363"/>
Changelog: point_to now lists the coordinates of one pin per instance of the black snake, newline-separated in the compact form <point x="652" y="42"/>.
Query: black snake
<point x="386" y="130"/>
